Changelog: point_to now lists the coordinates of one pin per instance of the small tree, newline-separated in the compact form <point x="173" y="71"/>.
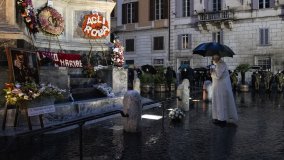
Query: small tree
<point x="243" y="68"/>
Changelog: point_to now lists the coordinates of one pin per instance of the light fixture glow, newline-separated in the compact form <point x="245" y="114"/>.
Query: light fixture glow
<point x="195" y="100"/>
<point x="152" y="117"/>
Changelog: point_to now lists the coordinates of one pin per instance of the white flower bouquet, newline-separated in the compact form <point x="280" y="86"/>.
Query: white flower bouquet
<point x="176" y="114"/>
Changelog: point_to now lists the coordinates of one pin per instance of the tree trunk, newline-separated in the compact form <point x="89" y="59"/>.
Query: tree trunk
<point x="243" y="74"/>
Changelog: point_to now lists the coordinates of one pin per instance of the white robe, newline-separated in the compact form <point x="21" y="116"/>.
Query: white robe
<point x="223" y="102"/>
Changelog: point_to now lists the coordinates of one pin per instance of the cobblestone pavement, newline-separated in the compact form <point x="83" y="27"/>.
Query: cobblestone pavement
<point x="259" y="136"/>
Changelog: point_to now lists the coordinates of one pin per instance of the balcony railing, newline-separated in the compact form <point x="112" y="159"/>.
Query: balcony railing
<point x="216" y="16"/>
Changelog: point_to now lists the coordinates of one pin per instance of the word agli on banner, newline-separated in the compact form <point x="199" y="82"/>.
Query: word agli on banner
<point x="95" y="26"/>
<point x="62" y="59"/>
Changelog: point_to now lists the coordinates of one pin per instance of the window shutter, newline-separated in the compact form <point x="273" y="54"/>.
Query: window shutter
<point x="209" y="6"/>
<point x="266" y="35"/>
<point x="191" y="3"/>
<point x="179" y="44"/>
<point x="189" y="41"/>
<point x="222" y="37"/>
<point x="261" y="36"/>
<point x="214" y="37"/>
<point x="178" y="8"/>
<point x="255" y="4"/>
<point x="272" y="3"/>
<point x="166" y="9"/>
<point x="152" y="10"/>
<point x="135" y="12"/>
<point x="124" y="13"/>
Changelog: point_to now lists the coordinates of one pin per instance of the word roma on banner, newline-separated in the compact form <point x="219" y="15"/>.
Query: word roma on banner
<point x="62" y="59"/>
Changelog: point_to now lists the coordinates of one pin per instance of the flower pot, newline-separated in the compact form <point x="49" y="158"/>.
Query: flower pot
<point x="146" y="88"/>
<point x="244" y="87"/>
<point x="173" y="87"/>
<point x="160" y="88"/>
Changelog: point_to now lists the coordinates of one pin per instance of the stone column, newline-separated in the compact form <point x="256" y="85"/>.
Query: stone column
<point x="183" y="94"/>
<point x="133" y="107"/>
<point x="136" y="85"/>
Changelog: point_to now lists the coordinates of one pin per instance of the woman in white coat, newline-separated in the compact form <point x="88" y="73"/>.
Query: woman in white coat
<point x="223" y="102"/>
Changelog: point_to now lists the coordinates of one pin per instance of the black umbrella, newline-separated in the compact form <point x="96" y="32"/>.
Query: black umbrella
<point x="148" y="69"/>
<point x="209" y="49"/>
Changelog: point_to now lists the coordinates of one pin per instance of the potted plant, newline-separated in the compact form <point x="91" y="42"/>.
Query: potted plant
<point x="146" y="80"/>
<point x="243" y="68"/>
<point x="159" y="80"/>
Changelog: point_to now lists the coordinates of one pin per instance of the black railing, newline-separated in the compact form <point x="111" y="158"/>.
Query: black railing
<point x="213" y="16"/>
<point x="82" y="121"/>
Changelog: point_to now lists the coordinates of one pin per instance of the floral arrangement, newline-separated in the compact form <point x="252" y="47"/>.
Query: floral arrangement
<point x="26" y="9"/>
<point x="18" y="93"/>
<point x="50" y="21"/>
<point x="105" y="89"/>
<point x="176" y="114"/>
<point x="118" y="54"/>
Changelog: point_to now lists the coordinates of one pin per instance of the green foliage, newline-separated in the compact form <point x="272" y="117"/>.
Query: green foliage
<point x="146" y="78"/>
<point x="243" y="68"/>
<point x="159" y="77"/>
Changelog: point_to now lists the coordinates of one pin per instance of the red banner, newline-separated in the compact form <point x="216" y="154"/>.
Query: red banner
<point x="62" y="59"/>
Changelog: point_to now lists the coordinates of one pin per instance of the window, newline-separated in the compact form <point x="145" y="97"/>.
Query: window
<point x="264" y="62"/>
<point x="264" y="36"/>
<point x="158" y="61"/>
<point x="264" y="4"/>
<point x="130" y="12"/>
<point x="129" y="45"/>
<point x="185" y="62"/>
<point x="217" y="37"/>
<point x="159" y="9"/>
<point x="129" y="62"/>
<point x="184" y="41"/>
<point x="186" y="8"/>
<point x="216" y="5"/>
<point x="158" y="43"/>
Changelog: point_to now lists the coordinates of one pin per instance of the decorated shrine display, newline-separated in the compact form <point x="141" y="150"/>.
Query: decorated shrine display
<point x="51" y="21"/>
<point x="95" y="26"/>
<point x="25" y="7"/>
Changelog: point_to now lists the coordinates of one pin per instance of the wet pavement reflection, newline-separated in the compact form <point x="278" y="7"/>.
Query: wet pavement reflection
<point x="259" y="135"/>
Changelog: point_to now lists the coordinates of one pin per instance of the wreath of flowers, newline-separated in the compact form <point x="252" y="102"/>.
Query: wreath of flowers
<point x="51" y="21"/>
<point x="26" y="9"/>
<point x="95" y="26"/>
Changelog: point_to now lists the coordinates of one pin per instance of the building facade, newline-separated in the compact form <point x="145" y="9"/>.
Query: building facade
<point x="252" y="28"/>
<point x="142" y="26"/>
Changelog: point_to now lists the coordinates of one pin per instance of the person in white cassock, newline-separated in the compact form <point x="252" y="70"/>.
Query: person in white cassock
<point x="223" y="102"/>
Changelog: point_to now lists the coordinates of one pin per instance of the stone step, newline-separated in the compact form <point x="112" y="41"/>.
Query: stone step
<point x="86" y="93"/>
<point x="9" y="28"/>
<point x="82" y="82"/>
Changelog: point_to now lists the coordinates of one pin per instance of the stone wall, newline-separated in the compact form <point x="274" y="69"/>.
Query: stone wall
<point x="73" y="13"/>
<point x="56" y="76"/>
